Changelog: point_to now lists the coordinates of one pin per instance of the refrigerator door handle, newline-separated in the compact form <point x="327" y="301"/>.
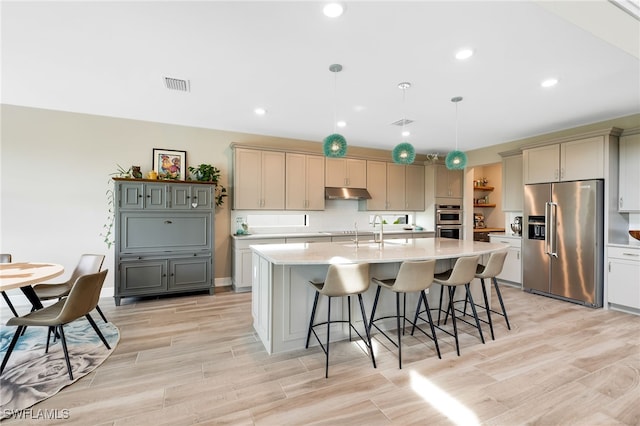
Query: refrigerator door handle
<point x="547" y="213"/>
<point x="553" y="234"/>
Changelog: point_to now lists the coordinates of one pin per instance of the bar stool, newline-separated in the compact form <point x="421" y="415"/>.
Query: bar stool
<point x="491" y="270"/>
<point x="341" y="280"/>
<point x="412" y="277"/>
<point x="462" y="273"/>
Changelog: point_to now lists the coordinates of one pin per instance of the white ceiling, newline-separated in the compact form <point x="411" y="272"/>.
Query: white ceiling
<point x="109" y="58"/>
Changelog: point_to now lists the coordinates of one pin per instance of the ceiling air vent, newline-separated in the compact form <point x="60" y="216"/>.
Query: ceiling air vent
<point x="177" y="84"/>
<point x="402" y="122"/>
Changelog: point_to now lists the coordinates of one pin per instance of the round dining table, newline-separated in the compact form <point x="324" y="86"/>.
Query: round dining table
<point x="23" y="275"/>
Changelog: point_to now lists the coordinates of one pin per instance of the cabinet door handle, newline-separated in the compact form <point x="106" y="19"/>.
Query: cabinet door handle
<point x="195" y="254"/>
<point x="168" y="222"/>
<point x="139" y="257"/>
<point x="609" y="266"/>
<point x="164" y="275"/>
<point x="621" y="203"/>
<point x="631" y="254"/>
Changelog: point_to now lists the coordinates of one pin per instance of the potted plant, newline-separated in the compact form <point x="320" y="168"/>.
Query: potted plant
<point x="205" y="173"/>
<point x="209" y="173"/>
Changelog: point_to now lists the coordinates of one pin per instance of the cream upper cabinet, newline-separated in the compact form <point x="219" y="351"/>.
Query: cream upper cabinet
<point x="448" y="182"/>
<point x="395" y="186"/>
<point x="304" y="182"/>
<point x="512" y="186"/>
<point x="345" y="172"/>
<point x="582" y="159"/>
<point x="414" y="188"/>
<point x="259" y="180"/>
<point x="575" y="160"/>
<point x="396" y="182"/>
<point x="377" y="185"/>
<point x="629" y="169"/>
<point x="541" y="164"/>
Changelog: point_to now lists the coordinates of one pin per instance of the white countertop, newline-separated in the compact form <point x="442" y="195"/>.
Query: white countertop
<point x="394" y="250"/>
<point x="363" y="233"/>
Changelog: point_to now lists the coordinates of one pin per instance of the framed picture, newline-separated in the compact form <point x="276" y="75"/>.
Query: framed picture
<point x="170" y="164"/>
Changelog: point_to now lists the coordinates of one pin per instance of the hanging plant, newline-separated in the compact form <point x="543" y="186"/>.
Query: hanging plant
<point x="209" y="173"/>
<point x="107" y="228"/>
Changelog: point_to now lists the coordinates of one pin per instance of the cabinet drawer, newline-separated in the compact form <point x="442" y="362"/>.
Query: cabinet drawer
<point x="513" y="242"/>
<point x="160" y="232"/>
<point x="626" y="253"/>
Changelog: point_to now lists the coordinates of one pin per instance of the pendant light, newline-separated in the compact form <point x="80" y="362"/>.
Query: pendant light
<point x="403" y="153"/>
<point x="335" y="145"/>
<point x="456" y="160"/>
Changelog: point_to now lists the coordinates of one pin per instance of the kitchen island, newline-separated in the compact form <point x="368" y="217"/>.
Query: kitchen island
<point x="282" y="299"/>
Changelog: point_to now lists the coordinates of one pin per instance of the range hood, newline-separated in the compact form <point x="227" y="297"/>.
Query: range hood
<point x="346" y="194"/>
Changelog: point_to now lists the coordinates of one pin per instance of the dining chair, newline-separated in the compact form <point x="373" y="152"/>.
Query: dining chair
<point x="412" y="277"/>
<point x="82" y="299"/>
<point x="88" y="264"/>
<point x="6" y="258"/>
<point x="341" y="280"/>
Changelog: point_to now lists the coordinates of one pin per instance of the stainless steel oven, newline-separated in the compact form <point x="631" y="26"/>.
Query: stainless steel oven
<point x="449" y="231"/>
<point x="448" y="215"/>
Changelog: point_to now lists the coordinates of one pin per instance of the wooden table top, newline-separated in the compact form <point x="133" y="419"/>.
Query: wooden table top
<point x="15" y="275"/>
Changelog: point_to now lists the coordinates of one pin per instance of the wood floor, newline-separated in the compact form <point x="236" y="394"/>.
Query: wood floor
<point x="196" y="360"/>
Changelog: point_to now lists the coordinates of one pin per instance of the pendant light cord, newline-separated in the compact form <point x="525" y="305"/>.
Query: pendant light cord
<point x="456" y="126"/>
<point x="335" y="100"/>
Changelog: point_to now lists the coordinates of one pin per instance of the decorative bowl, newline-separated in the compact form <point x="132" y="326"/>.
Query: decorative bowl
<point x="635" y="234"/>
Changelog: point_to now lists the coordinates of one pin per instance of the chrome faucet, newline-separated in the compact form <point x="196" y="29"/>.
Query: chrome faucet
<point x="355" y="225"/>
<point x="380" y="239"/>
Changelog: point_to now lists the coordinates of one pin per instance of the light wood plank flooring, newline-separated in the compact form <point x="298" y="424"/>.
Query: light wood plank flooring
<point x="196" y="360"/>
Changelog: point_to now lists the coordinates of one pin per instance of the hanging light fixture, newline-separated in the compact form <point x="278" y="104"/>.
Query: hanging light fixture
<point x="403" y="153"/>
<point x="335" y="145"/>
<point x="456" y="160"/>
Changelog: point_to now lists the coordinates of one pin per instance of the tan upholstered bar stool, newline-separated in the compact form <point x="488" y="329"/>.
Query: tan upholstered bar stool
<point x="412" y="277"/>
<point x="341" y="280"/>
<point x="461" y="275"/>
<point x="491" y="270"/>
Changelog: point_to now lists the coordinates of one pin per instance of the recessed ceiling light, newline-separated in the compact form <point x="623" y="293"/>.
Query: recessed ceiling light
<point x="464" y="54"/>
<point x="333" y="10"/>
<point x="341" y="124"/>
<point x="550" y="82"/>
<point x="406" y="133"/>
<point x="260" y="111"/>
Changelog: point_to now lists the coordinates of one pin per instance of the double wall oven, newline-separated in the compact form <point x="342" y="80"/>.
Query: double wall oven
<point x="449" y="221"/>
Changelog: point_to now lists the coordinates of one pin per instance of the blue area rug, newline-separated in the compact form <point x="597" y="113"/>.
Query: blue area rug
<point x="32" y="375"/>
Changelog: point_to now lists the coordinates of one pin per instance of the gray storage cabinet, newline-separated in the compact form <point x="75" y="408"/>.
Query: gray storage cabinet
<point x="163" y="237"/>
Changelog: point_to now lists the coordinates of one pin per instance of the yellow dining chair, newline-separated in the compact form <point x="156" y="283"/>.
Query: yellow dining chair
<point x="82" y="299"/>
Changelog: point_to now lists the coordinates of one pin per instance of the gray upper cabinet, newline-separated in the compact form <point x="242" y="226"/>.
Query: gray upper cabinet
<point x="629" y="170"/>
<point x="163" y="237"/>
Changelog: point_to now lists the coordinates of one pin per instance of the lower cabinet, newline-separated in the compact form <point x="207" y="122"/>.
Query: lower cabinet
<point x="623" y="270"/>
<point x="152" y="275"/>
<point x="512" y="269"/>
<point x="241" y="274"/>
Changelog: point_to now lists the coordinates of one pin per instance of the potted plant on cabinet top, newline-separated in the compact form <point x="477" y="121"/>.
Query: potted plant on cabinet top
<point x="209" y="173"/>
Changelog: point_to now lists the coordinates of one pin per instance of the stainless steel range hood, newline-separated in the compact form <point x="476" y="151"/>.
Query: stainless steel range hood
<point x="346" y="194"/>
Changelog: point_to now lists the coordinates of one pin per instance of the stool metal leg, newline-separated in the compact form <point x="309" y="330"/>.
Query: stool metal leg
<point x="367" y="330"/>
<point x="399" y="334"/>
<point x="475" y="313"/>
<point x="453" y="318"/>
<point x="326" y="366"/>
<point x="486" y="306"/>
<point x="423" y="296"/>
<point x="313" y="315"/>
<point x="504" y="311"/>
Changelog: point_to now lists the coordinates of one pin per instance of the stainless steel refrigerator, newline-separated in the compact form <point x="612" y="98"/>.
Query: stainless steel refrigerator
<point x="562" y="240"/>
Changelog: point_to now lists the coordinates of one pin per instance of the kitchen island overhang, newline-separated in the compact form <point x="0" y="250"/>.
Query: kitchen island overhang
<point x="282" y="299"/>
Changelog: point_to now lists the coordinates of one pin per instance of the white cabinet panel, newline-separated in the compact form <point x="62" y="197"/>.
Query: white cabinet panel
<point x="623" y="277"/>
<point x="629" y="179"/>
